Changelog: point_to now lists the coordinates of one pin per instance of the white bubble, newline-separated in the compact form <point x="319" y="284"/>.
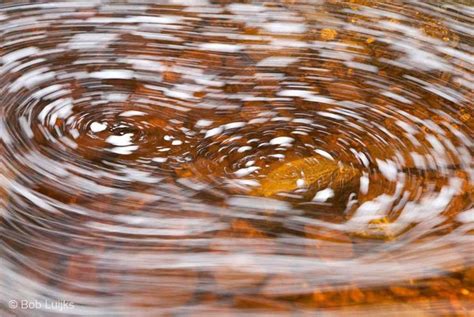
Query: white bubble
<point x="281" y="140"/>
<point x="98" y="127"/>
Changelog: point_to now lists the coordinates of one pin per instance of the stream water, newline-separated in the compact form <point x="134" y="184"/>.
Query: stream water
<point x="136" y="138"/>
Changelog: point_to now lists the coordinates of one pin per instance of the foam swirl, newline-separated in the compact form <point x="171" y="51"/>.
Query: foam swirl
<point x="132" y="137"/>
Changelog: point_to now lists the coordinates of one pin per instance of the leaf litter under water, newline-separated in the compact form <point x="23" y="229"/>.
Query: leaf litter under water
<point x="315" y="172"/>
<point x="204" y="89"/>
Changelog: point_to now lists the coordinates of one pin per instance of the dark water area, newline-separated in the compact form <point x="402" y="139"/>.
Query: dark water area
<point x="236" y="158"/>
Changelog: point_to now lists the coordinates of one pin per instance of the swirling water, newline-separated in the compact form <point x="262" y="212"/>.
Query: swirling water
<point x="133" y="135"/>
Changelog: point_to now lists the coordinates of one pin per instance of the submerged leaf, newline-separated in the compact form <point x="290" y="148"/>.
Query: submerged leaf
<point x="315" y="172"/>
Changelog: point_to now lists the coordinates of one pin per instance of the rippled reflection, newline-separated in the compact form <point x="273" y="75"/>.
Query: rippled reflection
<point x="211" y="158"/>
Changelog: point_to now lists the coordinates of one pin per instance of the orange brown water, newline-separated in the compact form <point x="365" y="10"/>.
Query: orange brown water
<point x="217" y="158"/>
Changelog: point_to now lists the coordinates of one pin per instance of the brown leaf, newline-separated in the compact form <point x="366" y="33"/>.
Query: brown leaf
<point x="315" y="171"/>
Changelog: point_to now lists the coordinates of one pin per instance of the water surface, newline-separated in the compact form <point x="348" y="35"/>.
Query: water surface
<point x="134" y="137"/>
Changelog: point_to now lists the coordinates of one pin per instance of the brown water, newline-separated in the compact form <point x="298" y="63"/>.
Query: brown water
<point x="212" y="158"/>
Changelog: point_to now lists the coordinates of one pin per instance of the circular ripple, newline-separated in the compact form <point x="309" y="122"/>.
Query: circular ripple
<point x="133" y="137"/>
